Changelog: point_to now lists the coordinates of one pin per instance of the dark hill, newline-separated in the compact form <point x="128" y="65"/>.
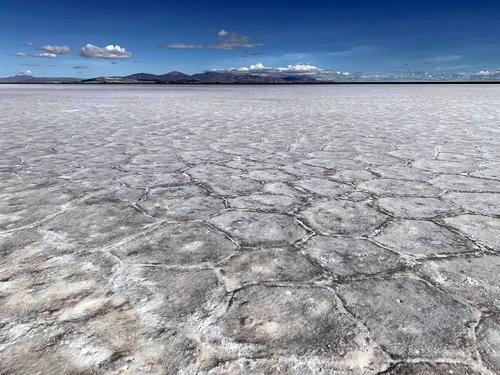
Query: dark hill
<point x="172" y="77"/>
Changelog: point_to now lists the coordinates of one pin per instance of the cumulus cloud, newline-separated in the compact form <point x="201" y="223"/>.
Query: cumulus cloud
<point x="488" y="73"/>
<point x="306" y="70"/>
<point x="182" y="46"/>
<point x="26" y="73"/>
<point x="230" y="40"/>
<point x="290" y="69"/>
<point x="20" y="54"/>
<point x="56" y="50"/>
<point x="108" y="52"/>
<point x="222" y="33"/>
<point x="45" y="55"/>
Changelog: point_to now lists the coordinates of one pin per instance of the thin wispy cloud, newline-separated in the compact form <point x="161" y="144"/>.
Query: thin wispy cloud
<point x="356" y="50"/>
<point x="252" y="53"/>
<point x="444" y="58"/>
<point x="230" y="40"/>
<point x="182" y="46"/>
<point x="79" y="67"/>
<point x="227" y="41"/>
<point x="297" y="56"/>
<point x="109" y="52"/>
<point x="47" y="52"/>
<point x="447" y="68"/>
<point x="56" y="50"/>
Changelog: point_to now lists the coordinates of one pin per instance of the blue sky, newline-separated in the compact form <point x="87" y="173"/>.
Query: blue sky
<point x="353" y="36"/>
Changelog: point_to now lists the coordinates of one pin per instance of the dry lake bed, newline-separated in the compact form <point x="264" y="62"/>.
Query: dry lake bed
<point x="220" y="230"/>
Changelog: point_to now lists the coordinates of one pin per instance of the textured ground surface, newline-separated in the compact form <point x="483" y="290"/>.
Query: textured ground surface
<point x="250" y="230"/>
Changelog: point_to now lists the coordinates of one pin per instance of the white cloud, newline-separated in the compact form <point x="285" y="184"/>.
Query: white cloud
<point x="222" y="33"/>
<point x="182" y="46"/>
<point x="488" y="72"/>
<point x="290" y="69"/>
<point x="56" y="50"/>
<point x="46" y="55"/>
<point x="27" y="73"/>
<point x="108" y="52"/>
<point x="20" y="54"/>
<point x="305" y="70"/>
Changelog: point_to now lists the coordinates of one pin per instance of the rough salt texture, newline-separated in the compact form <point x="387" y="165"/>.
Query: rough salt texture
<point x="210" y="230"/>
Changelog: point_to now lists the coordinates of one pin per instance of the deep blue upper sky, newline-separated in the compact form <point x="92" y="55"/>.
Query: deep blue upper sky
<point x="346" y="35"/>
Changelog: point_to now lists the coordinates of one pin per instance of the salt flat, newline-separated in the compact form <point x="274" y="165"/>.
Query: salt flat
<point x="250" y="229"/>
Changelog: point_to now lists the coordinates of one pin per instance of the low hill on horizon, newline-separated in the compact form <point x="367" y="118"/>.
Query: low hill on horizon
<point x="229" y="77"/>
<point x="174" y="77"/>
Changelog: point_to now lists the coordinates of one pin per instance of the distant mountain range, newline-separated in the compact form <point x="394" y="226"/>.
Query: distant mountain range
<point x="212" y="77"/>
<point x="30" y="79"/>
<point x="172" y="78"/>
